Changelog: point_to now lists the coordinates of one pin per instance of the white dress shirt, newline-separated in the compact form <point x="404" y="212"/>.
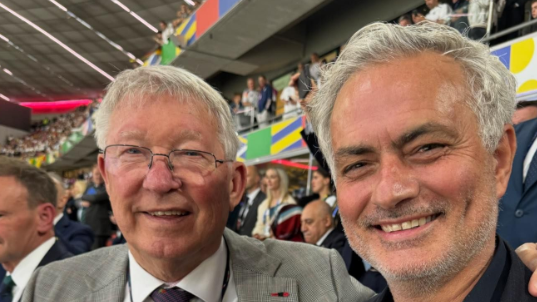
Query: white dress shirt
<point x="23" y="271"/>
<point x="527" y="160"/>
<point x="204" y="282"/>
<point x="57" y="218"/>
<point x="320" y="241"/>
<point x="440" y="12"/>
<point x="251" y="197"/>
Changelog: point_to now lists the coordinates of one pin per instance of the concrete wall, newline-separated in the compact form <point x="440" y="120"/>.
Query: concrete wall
<point x="321" y="32"/>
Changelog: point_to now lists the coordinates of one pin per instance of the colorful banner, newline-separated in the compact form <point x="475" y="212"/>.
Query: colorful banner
<point x="520" y="58"/>
<point x="273" y="140"/>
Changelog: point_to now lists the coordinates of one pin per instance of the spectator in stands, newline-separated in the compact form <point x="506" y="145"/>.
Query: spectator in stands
<point x="97" y="209"/>
<point x="321" y="188"/>
<point x="315" y="67"/>
<point x="459" y="19"/>
<point x="254" y="197"/>
<point x="517" y="221"/>
<point x="286" y="223"/>
<point x="439" y="12"/>
<point x="277" y="194"/>
<point x="418" y="15"/>
<point x="533" y="16"/>
<point x="478" y="18"/>
<point x="236" y="109"/>
<point x="512" y="14"/>
<point x="291" y="107"/>
<point x="76" y="237"/>
<point x="413" y="203"/>
<point x="27" y="206"/>
<point x="250" y="99"/>
<point x="172" y="206"/>
<point x="318" y="226"/>
<point x="525" y="111"/>
<point x="405" y="20"/>
<point x="167" y="31"/>
<point x="264" y="107"/>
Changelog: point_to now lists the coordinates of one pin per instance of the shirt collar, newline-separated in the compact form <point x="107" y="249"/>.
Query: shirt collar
<point x="57" y="218"/>
<point x="320" y="241"/>
<point x="208" y="275"/>
<point x="23" y="271"/>
<point x="252" y="196"/>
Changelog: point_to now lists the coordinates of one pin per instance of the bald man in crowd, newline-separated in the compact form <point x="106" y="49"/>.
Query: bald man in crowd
<point x="318" y="226"/>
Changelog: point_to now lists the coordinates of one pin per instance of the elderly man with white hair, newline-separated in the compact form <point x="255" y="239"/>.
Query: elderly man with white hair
<point x="168" y="162"/>
<point x="421" y="161"/>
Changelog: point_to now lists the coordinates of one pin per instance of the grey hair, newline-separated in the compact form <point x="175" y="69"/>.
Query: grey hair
<point x="491" y="87"/>
<point x="166" y="80"/>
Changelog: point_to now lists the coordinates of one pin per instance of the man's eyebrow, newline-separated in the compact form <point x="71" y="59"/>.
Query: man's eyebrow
<point x="354" y="150"/>
<point x="428" y="128"/>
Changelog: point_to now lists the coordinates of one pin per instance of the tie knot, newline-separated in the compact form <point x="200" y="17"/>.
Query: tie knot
<point x="8" y="282"/>
<point x="173" y="294"/>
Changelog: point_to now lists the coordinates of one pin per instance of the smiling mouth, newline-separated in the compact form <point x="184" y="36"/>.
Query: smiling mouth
<point x="168" y="213"/>
<point x="406" y="225"/>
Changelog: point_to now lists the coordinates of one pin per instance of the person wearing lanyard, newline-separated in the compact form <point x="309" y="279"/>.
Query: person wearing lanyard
<point x="277" y="193"/>
<point x="167" y="157"/>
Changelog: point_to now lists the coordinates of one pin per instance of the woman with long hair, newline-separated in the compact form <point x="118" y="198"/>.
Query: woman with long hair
<point x="277" y="196"/>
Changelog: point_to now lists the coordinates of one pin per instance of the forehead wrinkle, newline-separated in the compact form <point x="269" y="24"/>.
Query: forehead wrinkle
<point x="421" y="130"/>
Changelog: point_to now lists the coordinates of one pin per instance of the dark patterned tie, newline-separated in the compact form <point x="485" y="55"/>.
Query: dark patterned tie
<point x="174" y="294"/>
<point x="531" y="177"/>
<point x="6" y="290"/>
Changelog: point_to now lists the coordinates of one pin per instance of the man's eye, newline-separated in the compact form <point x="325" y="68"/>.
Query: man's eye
<point x="353" y="168"/>
<point x="192" y="153"/>
<point x="430" y="147"/>
<point x="132" y="151"/>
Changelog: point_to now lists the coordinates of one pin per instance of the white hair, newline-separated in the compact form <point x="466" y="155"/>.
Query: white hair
<point x="491" y="87"/>
<point x="184" y="86"/>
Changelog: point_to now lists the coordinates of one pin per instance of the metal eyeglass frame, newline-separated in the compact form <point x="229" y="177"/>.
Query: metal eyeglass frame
<point x="170" y="165"/>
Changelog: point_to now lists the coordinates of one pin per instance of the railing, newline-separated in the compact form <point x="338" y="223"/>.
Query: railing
<point x="247" y="116"/>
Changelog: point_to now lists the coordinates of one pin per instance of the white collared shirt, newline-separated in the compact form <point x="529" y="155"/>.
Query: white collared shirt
<point x="23" y="271"/>
<point x="204" y="282"/>
<point x="251" y="197"/>
<point x="57" y="218"/>
<point x="320" y="241"/>
<point x="527" y="160"/>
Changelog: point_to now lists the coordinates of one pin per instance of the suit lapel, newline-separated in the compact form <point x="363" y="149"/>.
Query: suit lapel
<point x="56" y="252"/>
<point x="108" y="280"/>
<point x="523" y="147"/>
<point x="254" y="272"/>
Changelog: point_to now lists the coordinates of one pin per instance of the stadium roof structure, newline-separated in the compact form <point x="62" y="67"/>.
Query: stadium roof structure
<point x="33" y="67"/>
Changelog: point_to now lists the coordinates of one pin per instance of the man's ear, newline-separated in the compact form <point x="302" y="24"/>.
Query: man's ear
<point x="46" y="213"/>
<point x="102" y="169"/>
<point x="504" y="156"/>
<point x="237" y="184"/>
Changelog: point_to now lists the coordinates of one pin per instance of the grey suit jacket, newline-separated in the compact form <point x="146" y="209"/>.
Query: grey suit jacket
<point x="259" y="269"/>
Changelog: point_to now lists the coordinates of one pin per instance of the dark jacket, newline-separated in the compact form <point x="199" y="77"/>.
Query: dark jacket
<point x="517" y="221"/>
<point x="337" y="240"/>
<point x="57" y="252"/>
<point x="76" y="237"/>
<point x="248" y="222"/>
<point x="505" y="280"/>
<point x="97" y="215"/>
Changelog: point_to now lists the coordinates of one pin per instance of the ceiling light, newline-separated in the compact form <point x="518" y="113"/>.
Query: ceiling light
<point x="4" y="97"/>
<point x="102" y="36"/>
<point x="190" y="2"/>
<point x="125" y="8"/>
<point x="74" y="53"/>
<point x="4" y="38"/>
<point x="7" y="71"/>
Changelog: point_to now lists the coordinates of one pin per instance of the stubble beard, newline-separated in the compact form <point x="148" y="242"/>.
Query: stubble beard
<point x="427" y="278"/>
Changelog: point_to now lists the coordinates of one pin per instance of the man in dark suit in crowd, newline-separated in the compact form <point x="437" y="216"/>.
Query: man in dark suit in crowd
<point x="250" y="202"/>
<point x="318" y="227"/>
<point x="27" y="207"/>
<point x="97" y="209"/>
<point x="76" y="237"/>
<point x="517" y="220"/>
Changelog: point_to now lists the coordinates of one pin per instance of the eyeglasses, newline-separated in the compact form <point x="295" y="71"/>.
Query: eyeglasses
<point x="180" y="161"/>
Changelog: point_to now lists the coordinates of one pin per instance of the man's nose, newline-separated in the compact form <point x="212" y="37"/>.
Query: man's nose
<point x="396" y="183"/>
<point x="160" y="178"/>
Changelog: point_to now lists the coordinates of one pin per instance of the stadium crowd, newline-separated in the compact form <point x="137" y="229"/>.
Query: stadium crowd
<point x="419" y="174"/>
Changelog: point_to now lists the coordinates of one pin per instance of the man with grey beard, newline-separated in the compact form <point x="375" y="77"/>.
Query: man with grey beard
<point x="421" y="161"/>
